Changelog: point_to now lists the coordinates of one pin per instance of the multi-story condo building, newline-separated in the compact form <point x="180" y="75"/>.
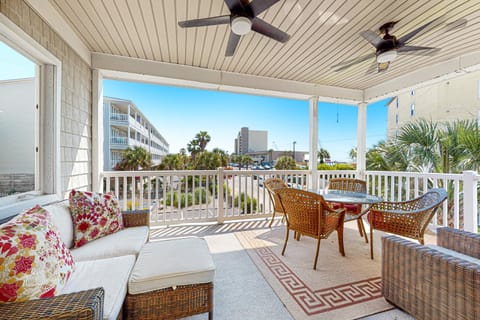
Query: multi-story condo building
<point x="453" y="99"/>
<point x="124" y="126"/>
<point x="248" y="141"/>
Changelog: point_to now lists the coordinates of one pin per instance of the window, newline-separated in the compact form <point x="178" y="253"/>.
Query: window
<point x="412" y="93"/>
<point x="412" y="109"/>
<point x="44" y="153"/>
<point x="396" y="118"/>
<point x="18" y="124"/>
<point x="397" y="102"/>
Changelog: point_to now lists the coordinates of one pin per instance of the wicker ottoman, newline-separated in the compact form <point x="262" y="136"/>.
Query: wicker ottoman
<point x="171" y="279"/>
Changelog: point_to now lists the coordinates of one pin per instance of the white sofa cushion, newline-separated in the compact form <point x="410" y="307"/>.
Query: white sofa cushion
<point x="124" y="242"/>
<point x="454" y="254"/>
<point x="111" y="274"/>
<point x="171" y="263"/>
<point x="62" y="218"/>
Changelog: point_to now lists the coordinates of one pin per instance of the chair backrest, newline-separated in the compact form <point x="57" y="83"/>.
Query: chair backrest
<point x="272" y="185"/>
<point x="307" y="212"/>
<point x="347" y="184"/>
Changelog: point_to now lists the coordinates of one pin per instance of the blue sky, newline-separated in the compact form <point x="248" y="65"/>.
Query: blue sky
<point x="180" y="113"/>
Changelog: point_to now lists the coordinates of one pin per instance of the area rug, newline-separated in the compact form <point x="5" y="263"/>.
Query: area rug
<point x="341" y="288"/>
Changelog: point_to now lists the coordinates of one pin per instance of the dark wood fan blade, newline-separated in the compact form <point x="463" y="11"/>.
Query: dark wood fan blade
<point x="258" y="6"/>
<point x="268" y="30"/>
<point x="371" y="37"/>
<point x="409" y="36"/>
<point x="418" y="50"/>
<point x="235" y="6"/>
<point x="232" y="44"/>
<point x="348" y="63"/>
<point x="205" y="22"/>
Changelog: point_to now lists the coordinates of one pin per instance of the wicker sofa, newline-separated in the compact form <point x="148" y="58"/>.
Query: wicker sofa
<point x="98" y="286"/>
<point x="434" y="282"/>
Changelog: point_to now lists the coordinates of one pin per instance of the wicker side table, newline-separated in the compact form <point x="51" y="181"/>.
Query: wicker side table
<point x="171" y="279"/>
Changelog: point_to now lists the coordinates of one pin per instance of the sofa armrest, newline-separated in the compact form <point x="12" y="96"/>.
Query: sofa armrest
<point x="429" y="284"/>
<point x="136" y="218"/>
<point x="83" y="305"/>
<point x="461" y="241"/>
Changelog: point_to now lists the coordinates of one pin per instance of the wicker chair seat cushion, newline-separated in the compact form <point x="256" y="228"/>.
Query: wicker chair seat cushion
<point x="351" y="208"/>
<point x="128" y="241"/>
<point x="454" y="254"/>
<point x="111" y="274"/>
<point x="34" y="261"/>
<point x="171" y="263"/>
<point x="94" y="215"/>
<point x="62" y="219"/>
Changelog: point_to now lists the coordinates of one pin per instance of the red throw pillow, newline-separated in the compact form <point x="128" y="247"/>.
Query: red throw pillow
<point x="34" y="262"/>
<point x="94" y="215"/>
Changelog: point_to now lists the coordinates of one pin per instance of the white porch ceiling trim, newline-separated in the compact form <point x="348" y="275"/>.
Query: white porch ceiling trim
<point x="125" y="68"/>
<point x="425" y="77"/>
<point x="45" y="9"/>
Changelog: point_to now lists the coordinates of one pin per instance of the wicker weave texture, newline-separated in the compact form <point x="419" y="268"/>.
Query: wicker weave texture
<point x="83" y="305"/>
<point x="458" y="240"/>
<point x="428" y="284"/>
<point x="347" y="184"/>
<point x="408" y="218"/>
<point x="272" y="185"/>
<point x="168" y="303"/>
<point x="308" y="213"/>
<point x="136" y="218"/>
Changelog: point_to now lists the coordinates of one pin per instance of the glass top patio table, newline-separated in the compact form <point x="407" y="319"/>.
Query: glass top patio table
<point x="349" y="197"/>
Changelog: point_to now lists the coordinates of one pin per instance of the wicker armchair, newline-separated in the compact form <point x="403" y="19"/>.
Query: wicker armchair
<point x="407" y="218"/>
<point x="272" y="185"/>
<point x="433" y="283"/>
<point x="308" y="214"/>
<point x="354" y="210"/>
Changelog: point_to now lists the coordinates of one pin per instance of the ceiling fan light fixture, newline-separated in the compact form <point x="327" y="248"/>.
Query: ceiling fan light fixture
<point x="387" y="56"/>
<point x="241" y="25"/>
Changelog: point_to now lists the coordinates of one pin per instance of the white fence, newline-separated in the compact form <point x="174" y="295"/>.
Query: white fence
<point x="188" y="196"/>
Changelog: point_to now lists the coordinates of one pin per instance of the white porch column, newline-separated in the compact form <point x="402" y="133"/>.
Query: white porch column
<point x="361" y="139"/>
<point x="470" y="201"/>
<point x="313" y="137"/>
<point x="97" y="131"/>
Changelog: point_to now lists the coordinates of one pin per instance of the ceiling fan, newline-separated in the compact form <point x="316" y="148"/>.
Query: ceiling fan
<point x="389" y="46"/>
<point x="242" y="19"/>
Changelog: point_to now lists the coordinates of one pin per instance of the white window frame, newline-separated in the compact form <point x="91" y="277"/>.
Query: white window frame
<point x="47" y="138"/>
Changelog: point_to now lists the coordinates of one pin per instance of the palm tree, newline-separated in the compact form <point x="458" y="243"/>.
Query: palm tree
<point x="353" y="154"/>
<point x="323" y="154"/>
<point x="285" y="163"/>
<point x="203" y="139"/>
<point x="135" y="159"/>
<point x="193" y="147"/>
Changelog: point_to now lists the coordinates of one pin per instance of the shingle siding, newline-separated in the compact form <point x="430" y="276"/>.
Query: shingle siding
<point x="76" y="93"/>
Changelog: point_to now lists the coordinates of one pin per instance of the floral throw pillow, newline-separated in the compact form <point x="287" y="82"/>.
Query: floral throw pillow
<point x="34" y="261"/>
<point x="94" y="215"/>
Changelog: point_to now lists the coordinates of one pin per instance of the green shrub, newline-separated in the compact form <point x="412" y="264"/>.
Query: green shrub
<point x="245" y="201"/>
<point x="337" y="166"/>
<point x="202" y="196"/>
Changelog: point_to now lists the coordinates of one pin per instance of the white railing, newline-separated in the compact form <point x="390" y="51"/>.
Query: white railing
<point x="119" y="140"/>
<point x="459" y="210"/>
<point x="188" y="196"/>
<point x="119" y="116"/>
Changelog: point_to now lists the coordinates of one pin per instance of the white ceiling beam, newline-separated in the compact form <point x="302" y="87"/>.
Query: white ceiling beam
<point x="425" y="77"/>
<point x="46" y="10"/>
<point x="125" y="68"/>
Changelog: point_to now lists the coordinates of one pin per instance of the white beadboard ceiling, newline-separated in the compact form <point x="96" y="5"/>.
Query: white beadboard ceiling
<point x="323" y="33"/>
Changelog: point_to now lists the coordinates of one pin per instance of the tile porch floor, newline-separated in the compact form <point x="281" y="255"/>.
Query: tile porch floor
<point x="241" y="292"/>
